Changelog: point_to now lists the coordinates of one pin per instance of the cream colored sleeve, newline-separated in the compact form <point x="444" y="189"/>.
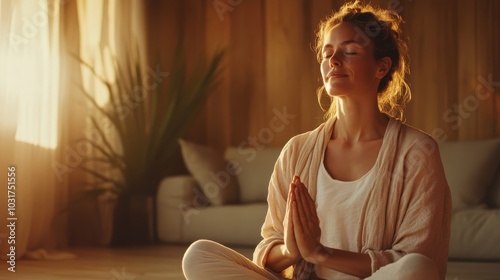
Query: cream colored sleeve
<point x="273" y="228"/>
<point x="424" y="217"/>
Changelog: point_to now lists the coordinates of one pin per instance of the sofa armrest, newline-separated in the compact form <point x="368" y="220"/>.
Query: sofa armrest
<point x="176" y="188"/>
<point x="177" y="199"/>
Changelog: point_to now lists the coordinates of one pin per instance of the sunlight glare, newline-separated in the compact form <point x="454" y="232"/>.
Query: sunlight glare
<point x="33" y="79"/>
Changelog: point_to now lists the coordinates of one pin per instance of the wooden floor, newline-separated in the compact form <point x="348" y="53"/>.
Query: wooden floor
<point x="142" y="263"/>
<point x="164" y="262"/>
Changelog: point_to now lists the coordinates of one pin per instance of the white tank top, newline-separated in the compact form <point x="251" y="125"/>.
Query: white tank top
<point x="339" y="206"/>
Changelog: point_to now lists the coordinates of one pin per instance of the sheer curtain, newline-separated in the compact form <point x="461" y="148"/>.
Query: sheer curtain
<point x="43" y="116"/>
<point x="29" y="98"/>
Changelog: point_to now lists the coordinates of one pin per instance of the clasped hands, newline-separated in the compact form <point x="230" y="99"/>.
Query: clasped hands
<point x="302" y="232"/>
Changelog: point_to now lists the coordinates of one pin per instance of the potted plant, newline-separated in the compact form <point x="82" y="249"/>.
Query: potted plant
<point x="147" y="136"/>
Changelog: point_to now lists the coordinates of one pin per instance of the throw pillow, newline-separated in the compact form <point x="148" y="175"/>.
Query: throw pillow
<point x="470" y="167"/>
<point x="211" y="172"/>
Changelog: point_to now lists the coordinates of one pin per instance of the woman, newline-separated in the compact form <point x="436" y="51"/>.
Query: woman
<point x="363" y="195"/>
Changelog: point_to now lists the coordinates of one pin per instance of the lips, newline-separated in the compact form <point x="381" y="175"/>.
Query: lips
<point x="335" y="75"/>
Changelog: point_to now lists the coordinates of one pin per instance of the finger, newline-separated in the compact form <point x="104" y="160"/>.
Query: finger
<point x="301" y="213"/>
<point x="289" y="198"/>
<point x="293" y="185"/>
<point x="305" y="200"/>
<point x="289" y="226"/>
<point x="310" y="202"/>
<point x="290" y="195"/>
<point x="304" y="194"/>
<point x="290" y="223"/>
<point x="297" y="226"/>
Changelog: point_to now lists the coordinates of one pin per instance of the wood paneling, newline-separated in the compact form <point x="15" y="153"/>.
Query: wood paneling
<point x="433" y="65"/>
<point x="269" y="64"/>
<point x="484" y="68"/>
<point x="247" y="91"/>
<point x="496" y="68"/>
<point x="466" y="66"/>
<point x="218" y="115"/>
<point x="193" y="19"/>
<point x="284" y="39"/>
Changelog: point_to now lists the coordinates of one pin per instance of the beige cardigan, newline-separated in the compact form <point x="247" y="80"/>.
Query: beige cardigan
<point x="407" y="211"/>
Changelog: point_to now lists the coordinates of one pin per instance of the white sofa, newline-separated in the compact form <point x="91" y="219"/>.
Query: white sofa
<point x="472" y="170"/>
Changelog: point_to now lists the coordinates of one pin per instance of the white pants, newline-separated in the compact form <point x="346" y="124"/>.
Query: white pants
<point x="206" y="260"/>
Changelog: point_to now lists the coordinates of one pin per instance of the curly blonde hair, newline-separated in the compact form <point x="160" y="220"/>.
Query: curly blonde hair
<point x="383" y="28"/>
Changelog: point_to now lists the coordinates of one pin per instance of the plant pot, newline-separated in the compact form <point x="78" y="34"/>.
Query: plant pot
<point x="107" y="205"/>
<point x="133" y="220"/>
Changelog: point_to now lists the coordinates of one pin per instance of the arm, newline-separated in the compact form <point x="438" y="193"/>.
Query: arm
<point x="352" y="263"/>
<point x="272" y="252"/>
<point x="280" y="259"/>
<point x="282" y="256"/>
<point x="417" y="209"/>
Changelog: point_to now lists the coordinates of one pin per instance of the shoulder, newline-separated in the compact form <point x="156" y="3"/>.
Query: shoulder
<point x="305" y="141"/>
<point x="413" y="140"/>
<point x="417" y="149"/>
<point x="419" y="164"/>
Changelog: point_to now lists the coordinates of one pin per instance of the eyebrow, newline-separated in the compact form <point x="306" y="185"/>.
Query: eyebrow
<point x="347" y="42"/>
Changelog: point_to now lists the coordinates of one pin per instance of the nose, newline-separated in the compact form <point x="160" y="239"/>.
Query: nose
<point x="334" y="61"/>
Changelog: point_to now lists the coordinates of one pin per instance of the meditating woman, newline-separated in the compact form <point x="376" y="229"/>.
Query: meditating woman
<point x="361" y="196"/>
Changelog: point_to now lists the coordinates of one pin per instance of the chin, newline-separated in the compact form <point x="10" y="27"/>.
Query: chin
<point x="333" y="92"/>
<point x="334" y="88"/>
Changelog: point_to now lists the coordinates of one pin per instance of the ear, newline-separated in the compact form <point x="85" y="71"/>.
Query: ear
<point x="384" y="65"/>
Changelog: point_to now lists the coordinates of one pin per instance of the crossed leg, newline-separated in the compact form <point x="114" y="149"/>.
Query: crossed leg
<point x="206" y="260"/>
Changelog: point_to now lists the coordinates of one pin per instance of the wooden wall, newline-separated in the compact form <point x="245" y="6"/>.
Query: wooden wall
<point x="269" y="64"/>
<point x="454" y="50"/>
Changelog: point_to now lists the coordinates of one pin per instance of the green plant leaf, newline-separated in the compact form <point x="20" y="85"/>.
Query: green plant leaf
<point x="149" y="128"/>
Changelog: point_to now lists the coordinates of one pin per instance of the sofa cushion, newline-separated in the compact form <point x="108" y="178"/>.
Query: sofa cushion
<point x="253" y="168"/>
<point x="470" y="168"/>
<point x="211" y="172"/>
<point x="466" y="270"/>
<point x="495" y="191"/>
<point x="231" y="224"/>
<point x="475" y="234"/>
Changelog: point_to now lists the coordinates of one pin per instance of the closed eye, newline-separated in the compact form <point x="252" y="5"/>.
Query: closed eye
<point x="327" y="55"/>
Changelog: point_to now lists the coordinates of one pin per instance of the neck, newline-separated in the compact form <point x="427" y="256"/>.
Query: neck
<point x="359" y="121"/>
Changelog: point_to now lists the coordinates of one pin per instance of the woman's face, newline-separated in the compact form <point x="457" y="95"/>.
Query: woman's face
<point x="349" y="67"/>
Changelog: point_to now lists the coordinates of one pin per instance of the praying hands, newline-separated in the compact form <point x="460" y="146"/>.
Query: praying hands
<point x="302" y="232"/>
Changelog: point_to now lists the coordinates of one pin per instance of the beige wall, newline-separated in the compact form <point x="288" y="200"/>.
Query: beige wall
<point x="269" y="64"/>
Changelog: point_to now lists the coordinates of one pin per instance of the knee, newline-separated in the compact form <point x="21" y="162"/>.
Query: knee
<point x="417" y="266"/>
<point x="417" y="260"/>
<point x="201" y="245"/>
<point x="195" y="251"/>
